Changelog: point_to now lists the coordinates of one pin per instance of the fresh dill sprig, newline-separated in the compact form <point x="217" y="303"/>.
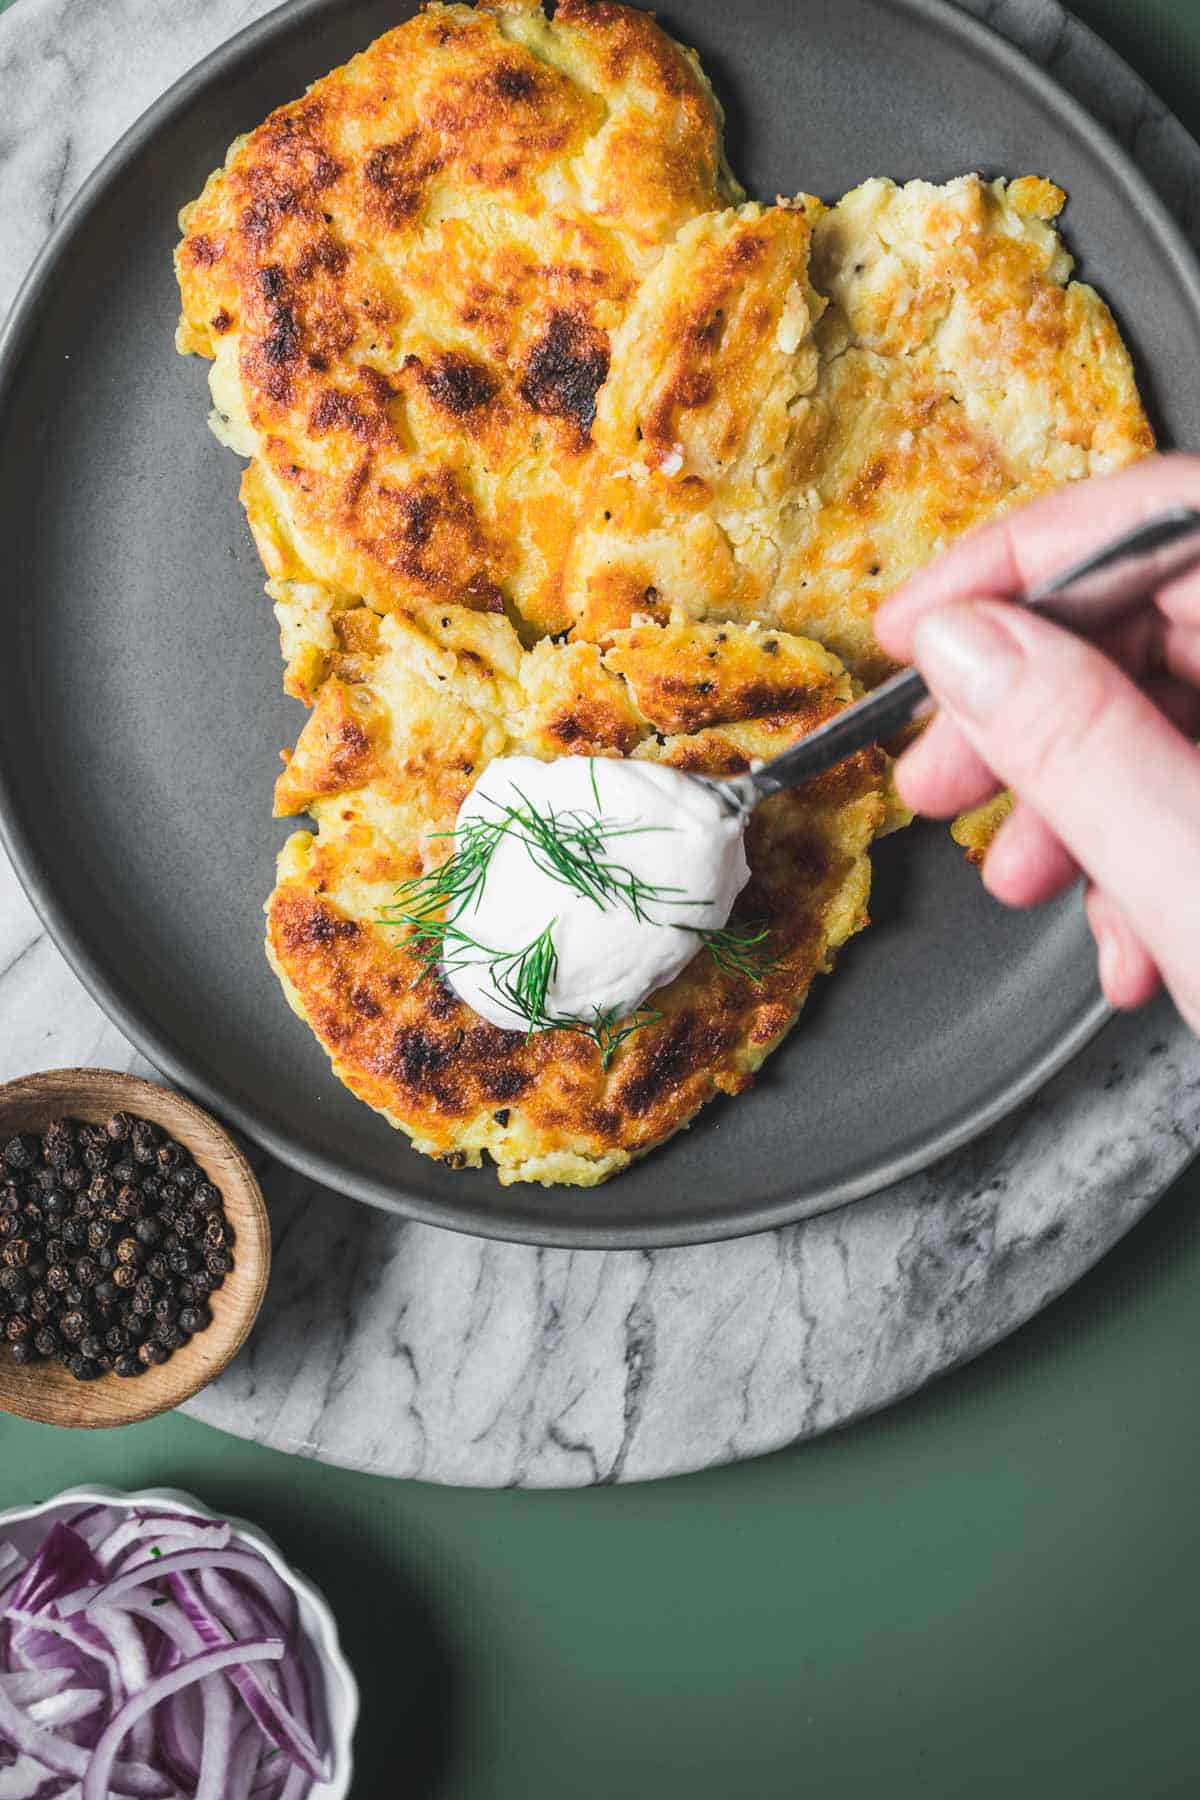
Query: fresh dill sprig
<point x="737" y="950"/>
<point x="522" y="981"/>
<point x="571" y="848"/>
<point x="608" y="1032"/>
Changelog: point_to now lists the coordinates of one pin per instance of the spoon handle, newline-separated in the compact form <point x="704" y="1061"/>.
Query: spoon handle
<point x="1110" y="584"/>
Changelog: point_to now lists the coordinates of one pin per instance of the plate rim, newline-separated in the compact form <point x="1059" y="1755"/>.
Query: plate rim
<point x="104" y="984"/>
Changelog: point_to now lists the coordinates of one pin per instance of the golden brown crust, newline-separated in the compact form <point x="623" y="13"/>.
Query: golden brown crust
<point x="410" y="1048"/>
<point x="409" y="279"/>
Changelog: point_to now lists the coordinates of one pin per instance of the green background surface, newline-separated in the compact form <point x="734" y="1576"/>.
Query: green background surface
<point x="992" y="1590"/>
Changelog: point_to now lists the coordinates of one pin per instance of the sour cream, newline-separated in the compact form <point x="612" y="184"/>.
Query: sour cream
<point x="686" y="845"/>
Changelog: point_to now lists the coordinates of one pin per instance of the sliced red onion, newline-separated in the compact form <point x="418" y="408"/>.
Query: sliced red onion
<point x="44" y="1625"/>
<point x="144" y="1530"/>
<point x="216" y="1745"/>
<point x="66" y="1709"/>
<point x="280" y="1726"/>
<point x="178" y="1562"/>
<point x="133" y="1666"/>
<point x="84" y="1606"/>
<point x="62" y="1757"/>
<point x="24" y="1685"/>
<point x="26" y="1779"/>
<point x="193" y="1669"/>
<point x="62" y="1564"/>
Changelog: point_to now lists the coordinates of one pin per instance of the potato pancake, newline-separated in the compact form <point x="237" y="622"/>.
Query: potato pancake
<point x="400" y="732"/>
<point x="755" y="472"/>
<point x="408" y="280"/>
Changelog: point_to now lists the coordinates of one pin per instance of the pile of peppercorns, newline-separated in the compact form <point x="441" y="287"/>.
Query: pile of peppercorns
<point x="111" y="1242"/>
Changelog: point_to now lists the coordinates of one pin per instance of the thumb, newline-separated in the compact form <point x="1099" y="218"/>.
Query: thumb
<point x="1115" y="781"/>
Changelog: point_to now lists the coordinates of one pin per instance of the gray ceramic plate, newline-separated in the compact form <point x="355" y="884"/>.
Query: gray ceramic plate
<point x="140" y="710"/>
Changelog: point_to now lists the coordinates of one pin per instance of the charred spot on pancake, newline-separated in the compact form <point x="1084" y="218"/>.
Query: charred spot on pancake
<point x="221" y="321"/>
<point x="397" y="175"/>
<point x="456" y="383"/>
<point x="201" y="250"/>
<point x="512" y="82"/>
<point x="566" y="369"/>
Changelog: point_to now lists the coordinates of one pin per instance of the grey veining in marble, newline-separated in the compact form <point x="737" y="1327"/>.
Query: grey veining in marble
<point x="498" y="1365"/>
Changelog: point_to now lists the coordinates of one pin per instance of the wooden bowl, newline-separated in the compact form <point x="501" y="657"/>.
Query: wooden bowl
<point x="48" y="1393"/>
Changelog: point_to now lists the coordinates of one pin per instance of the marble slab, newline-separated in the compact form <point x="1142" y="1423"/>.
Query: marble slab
<point x="413" y="1352"/>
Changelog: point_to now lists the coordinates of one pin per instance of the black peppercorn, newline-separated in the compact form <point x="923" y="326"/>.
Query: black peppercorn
<point x="103" y="1189"/>
<point x="87" y="1272"/>
<point x="150" y="1354"/>
<point x="169" y="1336"/>
<point x="23" y="1353"/>
<point x="188" y="1225"/>
<point x="142" y="1305"/>
<point x="186" y="1178"/>
<point x="46" y="1340"/>
<point x="194" y="1318"/>
<point x="119" y="1127"/>
<point x="144" y="1137"/>
<point x="170" y="1155"/>
<point x="9" y="1226"/>
<point x="208" y="1197"/>
<point x="129" y="1252"/>
<point x="172" y="1241"/>
<point x="15" y="1253"/>
<point x="107" y="1258"/>
<point x="83" y="1368"/>
<point x="116" y="1340"/>
<point x="72" y="1325"/>
<point x="96" y="1159"/>
<point x="74" y="1178"/>
<point x="106" y="1292"/>
<point x="124" y="1275"/>
<point x="58" y="1277"/>
<point x="127" y="1364"/>
<point x="74" y="1233"/>
<point x="58" y="1141"/>
<point x="55" y="1204"/>
<point x="18" y="1328"/>
<point x="166" y="1308"/>
<point x="218" y="1262"/>
<point x="156" y="1266"/>
<point x="151" y="1189"/>
<point x="98" y="1234"/>
<point x="148" y="1233"/>
<point x="91" y="1345"/>
<point x="73" y="1294"/>
<point x="188" y="1292"/>
<point x="21" y="1152"/>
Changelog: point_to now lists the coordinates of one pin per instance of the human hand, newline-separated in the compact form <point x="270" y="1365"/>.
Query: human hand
<point x="1093" y="738"/>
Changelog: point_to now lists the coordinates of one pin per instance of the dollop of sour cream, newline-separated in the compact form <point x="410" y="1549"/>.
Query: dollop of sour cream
<point x="684" y="843"/>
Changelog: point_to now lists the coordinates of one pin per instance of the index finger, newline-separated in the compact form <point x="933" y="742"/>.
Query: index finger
<point x="1008" y="556"/>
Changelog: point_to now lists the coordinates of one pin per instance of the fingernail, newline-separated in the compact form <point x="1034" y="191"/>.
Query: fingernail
<point x="1108" y="951"/>
<point x="967" y="659"/>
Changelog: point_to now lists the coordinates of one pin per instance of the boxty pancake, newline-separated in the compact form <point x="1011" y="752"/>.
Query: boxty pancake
<point x="752" y="471"/>
<point x="408" y="280"/>
<point x="401" y="730"/>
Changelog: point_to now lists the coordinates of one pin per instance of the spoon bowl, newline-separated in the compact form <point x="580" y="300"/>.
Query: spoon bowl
<point x="46" y="1392"/>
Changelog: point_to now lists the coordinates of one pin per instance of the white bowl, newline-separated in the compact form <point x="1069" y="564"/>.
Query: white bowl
<point x="25" y="1526"/>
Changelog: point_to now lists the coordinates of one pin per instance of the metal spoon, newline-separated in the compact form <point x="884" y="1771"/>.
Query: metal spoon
<point x="1114" y="582"/>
